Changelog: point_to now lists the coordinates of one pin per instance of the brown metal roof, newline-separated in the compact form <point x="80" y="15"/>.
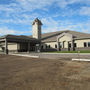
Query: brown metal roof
<point x="49" y="37"/>
<point x="18" y="38"/>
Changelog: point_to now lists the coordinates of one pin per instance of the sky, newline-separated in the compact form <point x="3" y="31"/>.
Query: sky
<point x="16" y="16"/>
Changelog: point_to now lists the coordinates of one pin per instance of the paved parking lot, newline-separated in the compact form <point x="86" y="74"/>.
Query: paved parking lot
<point x="25" y="73"/>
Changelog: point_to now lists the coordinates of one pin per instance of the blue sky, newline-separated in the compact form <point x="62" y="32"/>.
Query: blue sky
<point x="16" y="16"/>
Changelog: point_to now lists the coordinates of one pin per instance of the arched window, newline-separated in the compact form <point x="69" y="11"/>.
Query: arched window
<point x="46" y="46"/>
<point x="75" y="45"/>
<point x="49" y="46"/>
<point x="42" y="46"/>
<point x="55" y="45"/>
<point x="85" y="44"/>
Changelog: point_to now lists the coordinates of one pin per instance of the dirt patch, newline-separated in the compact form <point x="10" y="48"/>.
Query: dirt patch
<point x="21" y="73"/>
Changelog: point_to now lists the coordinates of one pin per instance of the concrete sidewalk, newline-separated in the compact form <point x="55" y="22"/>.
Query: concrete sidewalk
<point x="57" y="55"/>
<point x="63" y="55"/>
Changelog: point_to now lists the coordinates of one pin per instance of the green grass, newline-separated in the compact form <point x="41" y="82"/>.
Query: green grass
<point x="70" y="52"/>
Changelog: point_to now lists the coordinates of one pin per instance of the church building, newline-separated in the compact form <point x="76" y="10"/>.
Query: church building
<point x="54" y="41"/>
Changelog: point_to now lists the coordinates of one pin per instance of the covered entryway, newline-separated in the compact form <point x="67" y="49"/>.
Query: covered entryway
<point x="18" y="43"/>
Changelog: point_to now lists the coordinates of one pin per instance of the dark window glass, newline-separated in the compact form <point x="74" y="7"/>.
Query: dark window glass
<point x="55" y="46"/>
<point x="88" y="44"/>
<point x="49" y="46"/>
<point x="60" y="45"/>
<point x="75" y="45"/>
<point x="85" y="44"/>
<point x="70" y="45"/>
<point x="42" y="47"/>
<point x="46" y="46"/>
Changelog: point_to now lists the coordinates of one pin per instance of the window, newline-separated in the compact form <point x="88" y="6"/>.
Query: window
<point x="55" y="45"/>
<point x="69" y="45"/>
<point x="42" y="46"/>
<point x="49" y="46"/>
<point x="46" y="46"/>
<point x="85" y="44"/>
<point x="75" y="45"/>
<point x="60" y="45"/>
<point x="88" y="44"/>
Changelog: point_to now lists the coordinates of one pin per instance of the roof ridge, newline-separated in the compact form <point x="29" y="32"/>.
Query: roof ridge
<point x="56" y="31"/>
<point x="80" y="32"/>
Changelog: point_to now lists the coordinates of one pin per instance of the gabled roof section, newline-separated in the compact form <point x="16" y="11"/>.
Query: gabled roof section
<point x="79" y="35"/>
<point x="49" y="37"/>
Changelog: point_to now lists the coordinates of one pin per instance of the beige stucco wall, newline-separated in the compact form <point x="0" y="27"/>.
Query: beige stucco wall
<point x="80" y="43"/>
<point x="52" y="44"/>
<point x="12" y="46"/>
<point x="65" y="39"/>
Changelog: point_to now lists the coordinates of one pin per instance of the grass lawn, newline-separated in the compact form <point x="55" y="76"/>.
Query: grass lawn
<point x="70" y="51"/>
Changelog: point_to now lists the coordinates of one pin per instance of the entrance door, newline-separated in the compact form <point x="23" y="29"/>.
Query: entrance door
<point x="32" y="48"/>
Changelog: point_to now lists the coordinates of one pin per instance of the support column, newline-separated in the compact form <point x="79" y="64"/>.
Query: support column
<point x="72" y="45"/>
<point x="29" y="47"/>
<point x="6" y="46"/>
<point x="18" y="47"/>
<point x="57" y="45"/>
<point x="68" y="46"/>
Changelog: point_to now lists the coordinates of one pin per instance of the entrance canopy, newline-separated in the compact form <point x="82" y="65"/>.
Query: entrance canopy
<point x="21" y="38"/>
<point x="26" y="42"/>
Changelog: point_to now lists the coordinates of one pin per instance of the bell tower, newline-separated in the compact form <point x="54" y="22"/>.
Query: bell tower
<point x="36" y="27"/>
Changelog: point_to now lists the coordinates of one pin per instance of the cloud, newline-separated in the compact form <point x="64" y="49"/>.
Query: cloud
<point x="5" y="31"/>
<point x="51" y="25"/>
<point x="24" y="19"/>
<point x="10" y="8"/>
<point x="65" y="3"/>
<point x="30" y="5"/>
<point x="33" y="4"/>
<point x="25" y="11"/>
<point x="85" y="11"/>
